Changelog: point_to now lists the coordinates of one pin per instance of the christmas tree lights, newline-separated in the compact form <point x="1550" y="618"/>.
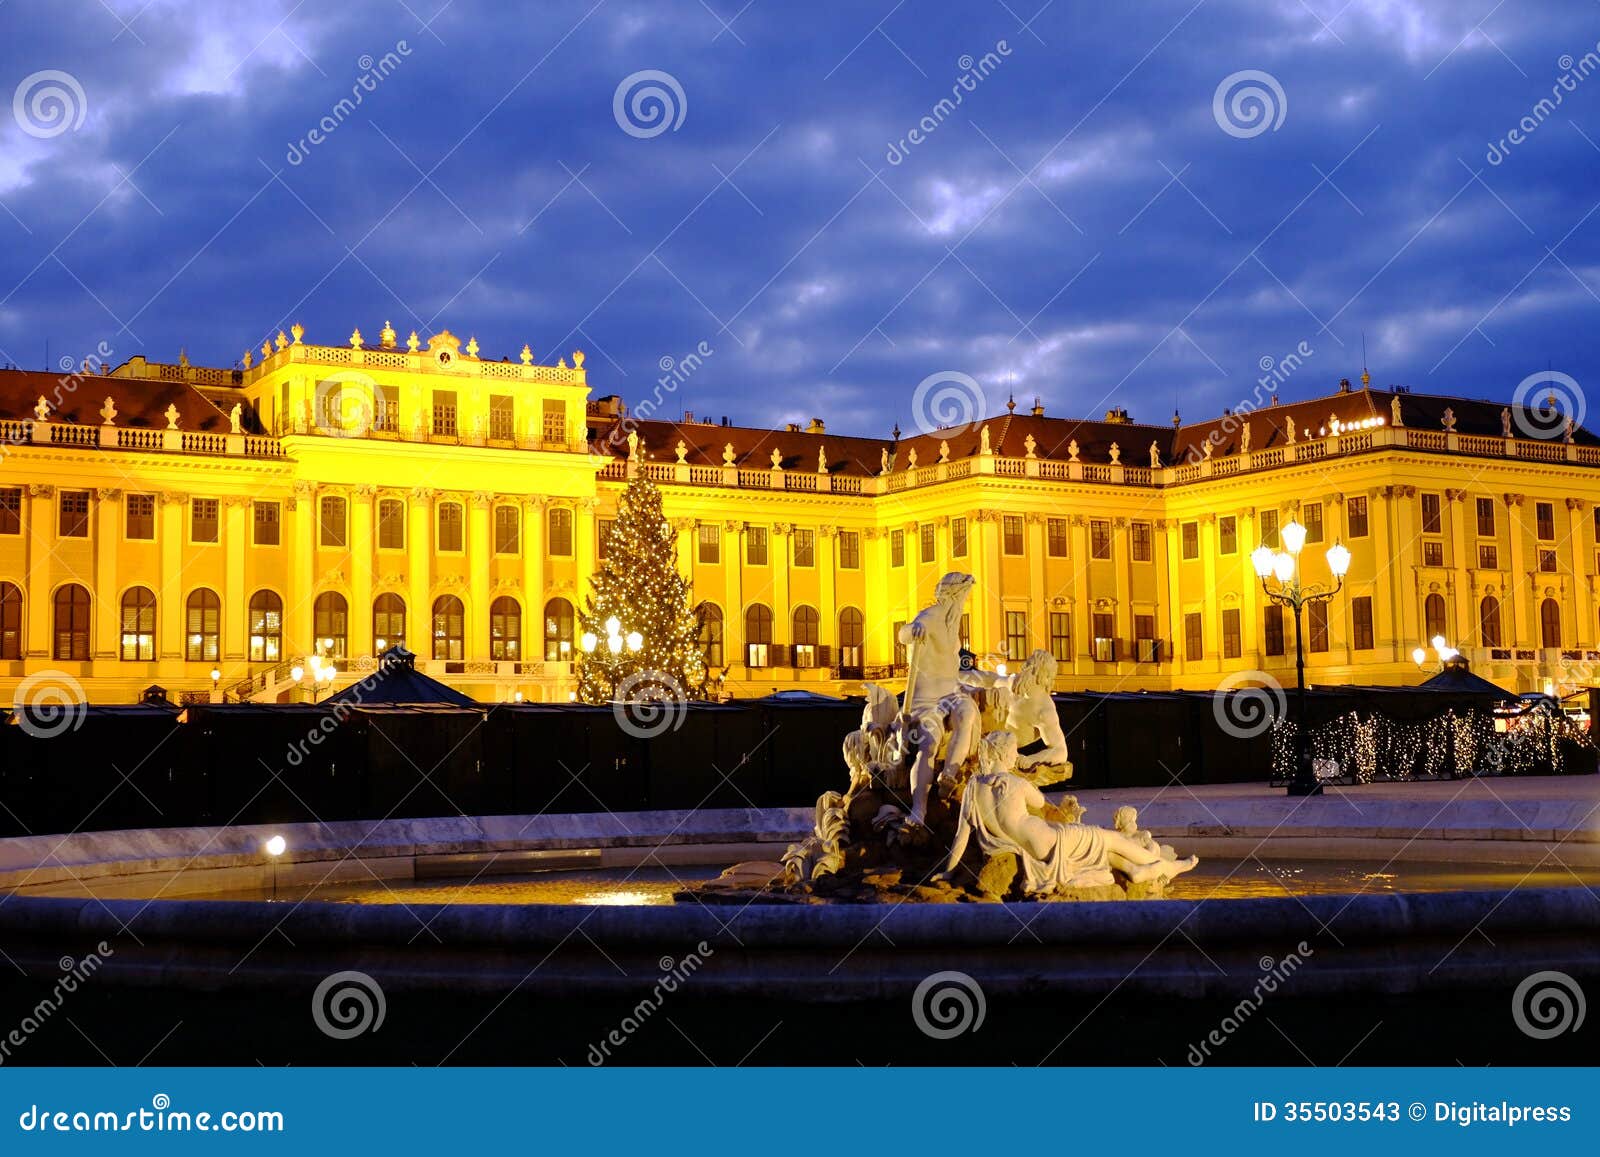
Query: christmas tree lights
<point x="638" y="635"/>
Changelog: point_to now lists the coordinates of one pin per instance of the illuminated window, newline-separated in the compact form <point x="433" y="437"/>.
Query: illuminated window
<point x="265" y="625"/>
<point x="449" y="627"/>
<point x="711" y="633"/>
<point x="202" y="627"/>
<point x="138" y="636"/>
<point x="330" y="620"/>
<point x="852" y="638"/>
<point x="388" y="622"/>
<point x="559" y="628"/>
<point x="505" y="630"/>
<point x="1488" y="556"/>
<point x="1432" y="553"/>
<point x="757" y="635"/>
<point x="805" y="637"/>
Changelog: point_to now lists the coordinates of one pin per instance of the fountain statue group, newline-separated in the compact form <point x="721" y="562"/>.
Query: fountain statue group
<point x="945" y="801"/>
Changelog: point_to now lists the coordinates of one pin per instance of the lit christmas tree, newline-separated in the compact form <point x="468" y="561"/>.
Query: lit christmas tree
<point x="638" y="636"/>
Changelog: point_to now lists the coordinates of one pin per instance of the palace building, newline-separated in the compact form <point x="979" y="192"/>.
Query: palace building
<point x="210" y="530"/>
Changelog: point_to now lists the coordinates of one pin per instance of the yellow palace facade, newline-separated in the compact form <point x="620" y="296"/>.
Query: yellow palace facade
<point x="210" y="530"/>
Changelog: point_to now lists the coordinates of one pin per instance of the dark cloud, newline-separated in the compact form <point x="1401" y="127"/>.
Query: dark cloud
<point x="1079" y="227"/>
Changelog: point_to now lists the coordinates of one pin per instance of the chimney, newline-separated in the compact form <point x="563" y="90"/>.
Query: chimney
<point x="816" y="427"/>
<point x="1344" y="385"/>
<point x="688" y="417"/>
<point x="792" y="427"/>
<point x="1038" y="408"/>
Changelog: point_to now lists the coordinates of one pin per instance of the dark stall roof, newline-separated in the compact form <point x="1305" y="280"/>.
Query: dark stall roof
<point x="1461" y="680"/>
<point x="398" y="683"/>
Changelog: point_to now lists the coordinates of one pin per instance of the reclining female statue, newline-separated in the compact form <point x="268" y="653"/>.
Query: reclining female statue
<point x="997" y="809"/>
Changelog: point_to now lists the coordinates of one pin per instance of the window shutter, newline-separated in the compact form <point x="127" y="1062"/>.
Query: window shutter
<point x="825" y="656"/>
<point x="779" y="653"/>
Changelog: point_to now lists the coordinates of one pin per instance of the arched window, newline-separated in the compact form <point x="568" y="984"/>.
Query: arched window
<point x="138" y="625"/>
<point x="203" y="627"/>
<point x="1489" y="621"/>
<point x="560" y="541"/>
<point x="757" y="635"/>
<point x="10" y="621"/>
<point x="330" y="620"/>
<point x="449" y="620"/>
<point x="388" y="622"/>
<point x="558" y="629"/>
<point x="505" y="630"/>
<point x="852" y="637"/>
<point x="266" y="627"/>
<point x="1433" y="624"/>
<point x="711" y="634"/>
<point x="72" y="623"/>
<point x="1550" y="623"/>
<point x="805" y="636"/>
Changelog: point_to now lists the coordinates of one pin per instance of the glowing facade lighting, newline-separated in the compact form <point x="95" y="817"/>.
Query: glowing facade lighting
<point x="1338" y="559"/>
<point x="276" y="846"/>
<point x="1294" y="536"/>
<point x="1261" y="558"/>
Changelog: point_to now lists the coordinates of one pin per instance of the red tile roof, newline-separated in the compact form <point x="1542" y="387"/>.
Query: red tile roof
<point x="78" y="398"/>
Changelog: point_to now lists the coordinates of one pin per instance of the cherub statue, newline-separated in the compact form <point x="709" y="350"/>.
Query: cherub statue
<point x="1126" y="820"/>
<point x="998" y="809"/>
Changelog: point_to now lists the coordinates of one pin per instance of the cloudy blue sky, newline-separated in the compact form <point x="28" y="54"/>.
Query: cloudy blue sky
<point x="1085" y="225"/>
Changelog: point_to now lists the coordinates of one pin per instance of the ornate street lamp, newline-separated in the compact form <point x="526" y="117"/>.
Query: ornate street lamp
<point x="1282" y="568"/>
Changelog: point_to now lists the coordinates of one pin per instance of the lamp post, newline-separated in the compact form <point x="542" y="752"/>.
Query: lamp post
<point x="1282" y="567"/>
<point x="1445" y="656"/>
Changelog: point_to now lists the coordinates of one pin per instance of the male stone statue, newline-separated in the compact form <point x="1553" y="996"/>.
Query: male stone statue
<point x="935" y="701"/>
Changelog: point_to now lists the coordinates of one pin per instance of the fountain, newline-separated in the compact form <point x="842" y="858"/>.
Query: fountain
<point x="944" y="801"/>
